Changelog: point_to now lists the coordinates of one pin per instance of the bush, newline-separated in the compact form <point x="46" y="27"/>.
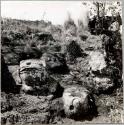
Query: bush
<point x="72" y="49"/>
<point x="70" y="27"/>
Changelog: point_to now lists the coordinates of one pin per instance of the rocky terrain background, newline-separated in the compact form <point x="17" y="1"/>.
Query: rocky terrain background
<point x="92" y="60"/>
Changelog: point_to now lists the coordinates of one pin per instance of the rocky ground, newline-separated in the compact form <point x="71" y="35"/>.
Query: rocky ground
<point x="83" y="60"/>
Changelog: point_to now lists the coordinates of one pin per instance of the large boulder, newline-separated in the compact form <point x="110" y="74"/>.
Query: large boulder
<point x="77" y="101"/>
<point x="35" y="80"/>
<point x="55" y="62"/>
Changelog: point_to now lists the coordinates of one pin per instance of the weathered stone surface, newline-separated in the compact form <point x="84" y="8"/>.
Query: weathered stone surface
<point x="29" y="40"/>
<point x="76" y="101"/>
<point x="97" y="61"/>
<point x="30" y="63"/>
<point x="103" y="84"/>
<point x="16" y="77"/>
<point x="114" y="26"/>
<point x="32" y="74"/>
<point x="55" y="62"/>
<point x="34" y="79"/>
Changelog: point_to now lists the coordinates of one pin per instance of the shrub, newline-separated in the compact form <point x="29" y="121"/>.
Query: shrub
<point x="70" y="27"/>
<point x="72" y="49"/>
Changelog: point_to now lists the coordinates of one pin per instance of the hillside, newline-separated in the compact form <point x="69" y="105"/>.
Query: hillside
<point x="72" y="59"/>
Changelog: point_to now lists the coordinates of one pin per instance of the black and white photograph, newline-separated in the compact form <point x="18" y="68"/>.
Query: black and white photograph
<point x="61" y="62"/>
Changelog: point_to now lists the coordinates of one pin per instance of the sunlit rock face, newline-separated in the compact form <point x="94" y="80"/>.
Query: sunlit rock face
<point x="93" y="47"/>
<point x="114" y="26"/>
<point x="97" y="61"/>
<point x="76" y="101"/>
<point x="120" y="30"/>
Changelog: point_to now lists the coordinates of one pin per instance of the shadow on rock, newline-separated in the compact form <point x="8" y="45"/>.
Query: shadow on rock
<point x="56" y="111"/>
<point x="55" y="63"/>
<point x="8" y="84"/>
<point x="90" y="114"/>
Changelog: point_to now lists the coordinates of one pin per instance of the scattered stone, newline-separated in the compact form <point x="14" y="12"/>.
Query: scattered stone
<point x="40" y="98"/>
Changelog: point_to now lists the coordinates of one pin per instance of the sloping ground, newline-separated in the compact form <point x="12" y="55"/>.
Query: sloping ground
<point x="25" y="109"/>
<point x="94" y="68"/>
